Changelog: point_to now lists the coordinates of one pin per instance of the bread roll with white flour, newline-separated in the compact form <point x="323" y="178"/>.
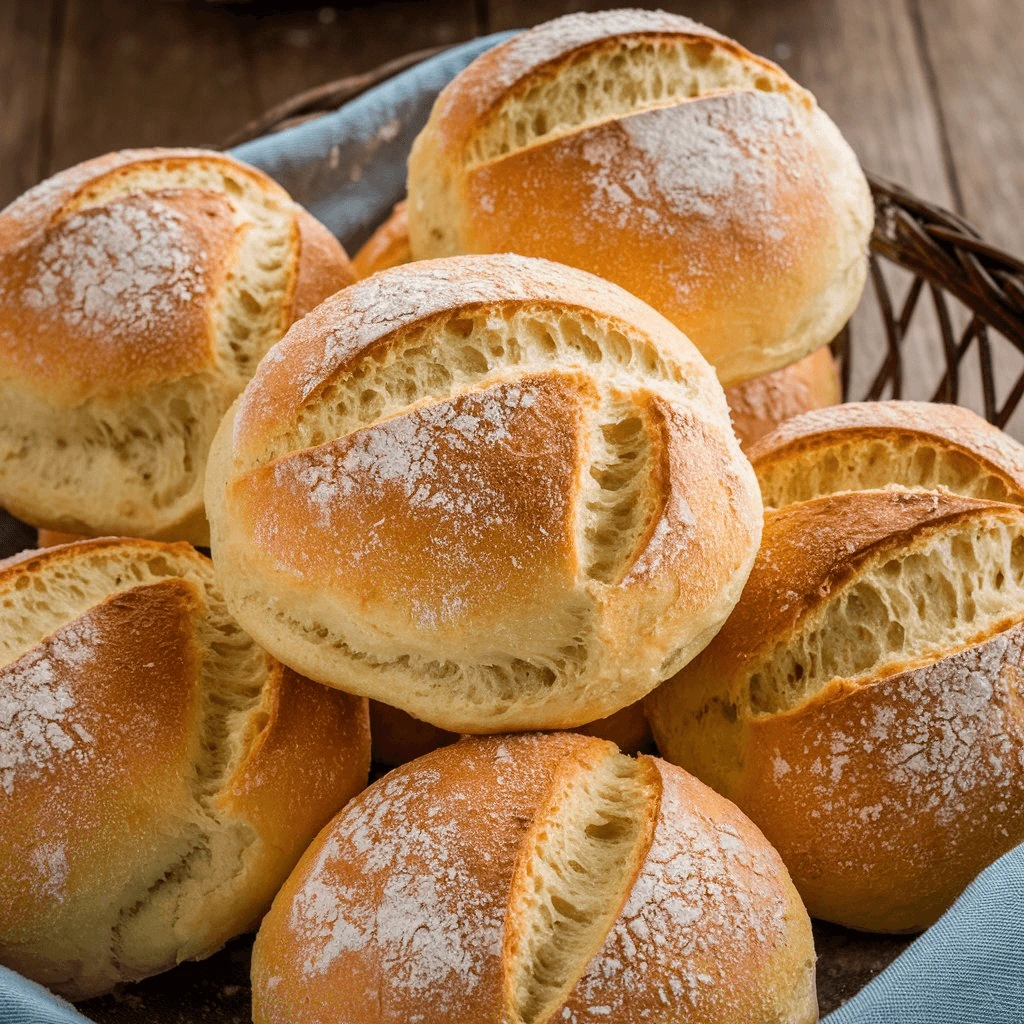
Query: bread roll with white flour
<point x="159" y="773"/>
<point x="864" y="704"/>
<point x="138" y="291"/>
<point x="597" y="890"/>
<point x="494" y="492"/>
<point x="662" y="156"/>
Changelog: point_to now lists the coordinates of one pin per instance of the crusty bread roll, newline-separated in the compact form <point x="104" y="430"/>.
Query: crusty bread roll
<point x="862" y="445"/>
<point x="138" y="292"/>
<point x="494" y="492"/>
<point x="660" y="155"/>
<point x="398" y="737"/>
<point x="388" y="246"/>
<point x="595" y="888"/>
<point x="159" y="773"/>
<point x="759" y="405"/>
<point x="863" y="704"/>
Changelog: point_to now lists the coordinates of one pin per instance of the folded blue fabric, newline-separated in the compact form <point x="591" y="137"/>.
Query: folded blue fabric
<point x="349" y="168"/>
<point x="966" y="969"/>
<point x="24" y="1002"/>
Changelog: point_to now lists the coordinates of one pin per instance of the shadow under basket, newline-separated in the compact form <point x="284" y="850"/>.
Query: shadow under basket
<point x="942" y="319"/>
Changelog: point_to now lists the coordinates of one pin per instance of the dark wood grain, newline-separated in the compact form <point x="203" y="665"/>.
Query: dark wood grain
<point x="292" y="52"/>
<point x="976" y="51"/>
<point x="148" y="74"/>
<point x="25" y="59"/>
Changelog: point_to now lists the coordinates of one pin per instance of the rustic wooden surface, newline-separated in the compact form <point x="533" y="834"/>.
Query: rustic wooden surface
<point x="927" y="91"/>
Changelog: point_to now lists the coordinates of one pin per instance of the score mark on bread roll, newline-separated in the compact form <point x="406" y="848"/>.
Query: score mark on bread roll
<point x="597" y="888"/>
<point x="138" y="291"/>
<point x="862" y="445"/>
<point x="864" y="702"/>
<point x="654" y="152"/>
<point x="494" y="492"/>
<point x="159" y="773"/>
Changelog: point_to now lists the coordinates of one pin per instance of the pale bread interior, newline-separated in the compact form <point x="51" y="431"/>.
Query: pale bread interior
<point x="611" y="81"/>
<point x="863" y="464"/>
<point x="587" y="846"/>
<point x="187" y="895"/>
<point x="616" y="503"/>
<point x="950" y="588"/>
<point x="469" y="350"/>
<point x="136" y="462"/>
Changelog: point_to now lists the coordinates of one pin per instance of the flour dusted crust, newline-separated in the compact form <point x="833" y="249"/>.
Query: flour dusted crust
<point x="660" y="155"/>
<point x="159" y="773"/>
<point x="758" y="406"/>
<point x="137" y="293"/>
<point x="863" y="703"/>
<point x="428" y="900"/>
<point x="860" y="445"/>
<point x="491" y="491"/>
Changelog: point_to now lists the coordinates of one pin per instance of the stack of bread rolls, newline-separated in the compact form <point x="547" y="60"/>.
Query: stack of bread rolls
<point x="499" y="484"/>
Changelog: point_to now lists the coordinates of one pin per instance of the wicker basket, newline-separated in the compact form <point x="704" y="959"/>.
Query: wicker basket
<point x="975" y="292"/>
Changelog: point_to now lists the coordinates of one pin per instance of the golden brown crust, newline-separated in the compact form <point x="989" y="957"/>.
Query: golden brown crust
<point x="314" y="741"/>
<point x="887" y="790"/>
<point x="137" y="293"/>
<point x="812" y="548"/>
<point x="159" y="774"/>
<point x="458" y="530"/>
<point x="730" y="291"/>
<point x="885" y="801"/>
<point x="857" y="426"/>
<point x="426" y="851"/>
<point x="388" y="246"/>
<point x="379" y="311"/>
<point x="730" y="203"/>
<point x="466" y="103"/>
<point x="759" y="405"/>
<point x="72" y="329"/>
<point x="323" y="267"/>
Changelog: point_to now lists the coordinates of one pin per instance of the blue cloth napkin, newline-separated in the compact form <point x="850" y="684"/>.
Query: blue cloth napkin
<point x="349" y="169"/>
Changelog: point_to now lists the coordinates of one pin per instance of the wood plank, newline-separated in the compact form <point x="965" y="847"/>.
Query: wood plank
<point x="148" y="74"/>
<point x="25" y="54"/>
<point x="975" y="49"/>
<point x="294" y="51"/>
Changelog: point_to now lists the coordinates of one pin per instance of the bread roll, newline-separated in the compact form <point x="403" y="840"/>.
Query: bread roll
<point x="387" y="247"/>
<point x="494" y="492"/>
<point x="159" y="774"/>
<point x="398" y="737"/>
<point x="138" y="292"/>
<point x="758" y="406"/>
<point x="862" y="445"/>
<point x="863" y="704"/>
<point x="660" y="155"/>
<point x="597" y="888"/>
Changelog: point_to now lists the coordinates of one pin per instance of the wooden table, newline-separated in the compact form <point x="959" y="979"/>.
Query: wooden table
<point x="928" y="91"/>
